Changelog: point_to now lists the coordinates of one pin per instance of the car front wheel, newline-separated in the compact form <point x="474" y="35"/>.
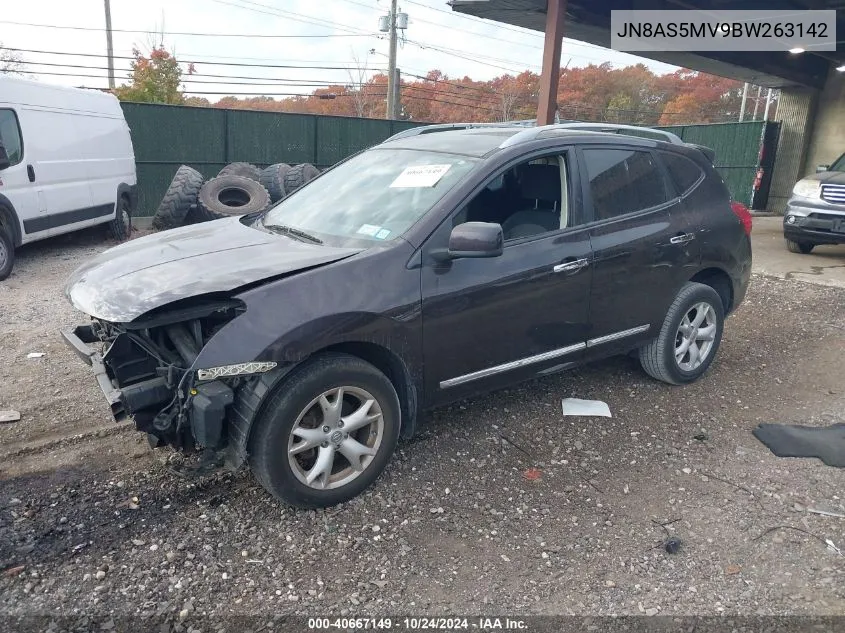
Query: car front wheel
<point x="799" y="247"/>
<point x="326" y="433"/>
<point x="689" y="337"/>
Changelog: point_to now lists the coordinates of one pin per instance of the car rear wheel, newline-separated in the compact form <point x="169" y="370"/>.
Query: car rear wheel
<point x="799" y="247"/>
<point x="7" y="254"/>
<point x="326" y="433"/>
<point x="121" y="227"/>
<point x="689" y="337"/>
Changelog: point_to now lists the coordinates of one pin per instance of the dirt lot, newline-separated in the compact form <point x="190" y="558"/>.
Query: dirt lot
<point x="101" y="525"/>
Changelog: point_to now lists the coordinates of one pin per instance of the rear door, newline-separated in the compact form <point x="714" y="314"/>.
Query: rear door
<point x="644" y="245"/>
<point x="15" y="184"/>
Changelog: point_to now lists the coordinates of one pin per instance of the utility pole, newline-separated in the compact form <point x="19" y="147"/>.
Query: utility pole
<point x="744" y="97"/>
<point x="109" y="47"/>
<point x="397" y="87"/>
<point x="392" y="91"/>
<point x="757" y="101"/>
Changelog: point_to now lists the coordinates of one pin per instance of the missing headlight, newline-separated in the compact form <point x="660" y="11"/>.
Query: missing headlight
<point x="239" y="369"/>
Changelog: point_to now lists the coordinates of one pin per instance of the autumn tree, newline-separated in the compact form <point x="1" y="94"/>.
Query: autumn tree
<point x="154" y="79"/>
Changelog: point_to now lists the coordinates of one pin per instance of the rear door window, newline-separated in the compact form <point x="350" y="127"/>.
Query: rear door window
<point x="683" y="171"/>
<point x="623" y="181"/>
<point x="10" y="135"/>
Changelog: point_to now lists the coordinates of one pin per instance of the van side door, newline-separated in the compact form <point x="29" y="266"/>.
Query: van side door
<point x="56" y="165"/>
<point x="16" y="189"/>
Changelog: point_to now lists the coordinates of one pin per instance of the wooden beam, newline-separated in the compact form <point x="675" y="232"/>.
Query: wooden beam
<point x="550" y="77"/>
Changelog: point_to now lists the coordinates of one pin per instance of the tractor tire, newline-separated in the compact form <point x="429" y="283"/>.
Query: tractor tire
<point x="227" y="196"/>
<point x="181" y="195"/>
<point x="272" y="179"/>
<point x="247" y="170"/>
<point x="298" y="175"/>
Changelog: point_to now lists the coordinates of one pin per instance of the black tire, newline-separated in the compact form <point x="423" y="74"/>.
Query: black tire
<point x="658" y="357"/>
<point x="180" y="196"/>
<point x="229" y="196"/>
<point x="247" y="170"/>
<point x="7" y="254"/>
<point x="298" y="175"/>
<point x="269" y="441"/>
<point x="799" y="247"/>
<point x="272" y="179"/>
<point x="121" y="227"/>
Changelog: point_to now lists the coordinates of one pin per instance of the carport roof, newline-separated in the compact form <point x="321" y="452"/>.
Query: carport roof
<point x="589" y="21"/>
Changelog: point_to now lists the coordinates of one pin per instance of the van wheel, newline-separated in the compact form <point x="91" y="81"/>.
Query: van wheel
<point x="326" y="432"/>
<point x="121" y="227"/>
<point x="689" y="337"/>
<point x="799" y="247"/>
<point x="7" y="254"/>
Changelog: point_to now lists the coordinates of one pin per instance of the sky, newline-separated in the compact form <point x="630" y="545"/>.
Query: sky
<point x="333" y="33"/>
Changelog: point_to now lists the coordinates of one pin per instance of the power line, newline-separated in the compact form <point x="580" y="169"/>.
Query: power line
<point x="239" y="64"/>
<point x="193" y="77"/>
<point x="298" y="17"/>
<point x="186" y="33"/>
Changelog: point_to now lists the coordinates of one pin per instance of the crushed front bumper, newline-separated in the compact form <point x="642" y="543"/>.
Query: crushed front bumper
<point x="79" y="339"/>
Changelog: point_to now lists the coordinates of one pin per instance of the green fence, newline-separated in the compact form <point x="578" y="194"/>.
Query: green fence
<point x="166" y="136"/>
<point x="737" y="147"/>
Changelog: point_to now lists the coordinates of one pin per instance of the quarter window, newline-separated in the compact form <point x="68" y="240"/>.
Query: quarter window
<point x="684" y="172"/>
<point x="623" y="181"/>
<point x="10" y="136"/>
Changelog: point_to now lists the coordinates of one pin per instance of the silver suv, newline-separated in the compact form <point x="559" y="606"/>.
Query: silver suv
<point x="815" y="214"/>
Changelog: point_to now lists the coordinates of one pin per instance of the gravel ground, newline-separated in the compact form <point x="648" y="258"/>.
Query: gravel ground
<point x="100" y="525"/>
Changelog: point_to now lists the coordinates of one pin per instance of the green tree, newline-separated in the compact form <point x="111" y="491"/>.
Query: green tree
<point x="155" y="79"/>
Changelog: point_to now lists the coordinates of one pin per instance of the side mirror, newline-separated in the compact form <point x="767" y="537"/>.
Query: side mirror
<point x="821" y="168"/>
<point x="473" y="239"/>
<point x="5" y="163"/>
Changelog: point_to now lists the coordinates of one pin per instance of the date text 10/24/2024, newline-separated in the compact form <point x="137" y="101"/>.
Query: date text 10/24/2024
<point x="418" y="624"/>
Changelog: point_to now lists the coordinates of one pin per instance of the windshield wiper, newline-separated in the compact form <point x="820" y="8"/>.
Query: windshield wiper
<point x="289" y="230"/>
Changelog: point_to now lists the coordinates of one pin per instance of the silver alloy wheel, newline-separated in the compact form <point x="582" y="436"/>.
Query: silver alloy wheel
<point x="4" y="255"/>
<point x="695" y="336"/>
<point x="335" y="438"/>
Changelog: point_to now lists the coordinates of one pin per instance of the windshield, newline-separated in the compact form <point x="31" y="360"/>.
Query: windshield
<point x="374" y="196"/>
<point x="839" y="165"/>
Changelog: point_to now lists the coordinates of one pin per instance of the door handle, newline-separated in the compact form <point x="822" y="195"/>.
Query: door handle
<point x="30" y="172"/>
<point x="571" y="267"/>
<point x="683" y="238"/>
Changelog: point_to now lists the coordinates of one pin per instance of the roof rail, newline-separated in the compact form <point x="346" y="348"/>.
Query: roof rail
<point x="445" y="127"/>
<point x="613" y="128"/>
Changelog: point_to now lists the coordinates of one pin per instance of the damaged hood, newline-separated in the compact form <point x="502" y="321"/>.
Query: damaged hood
<point x="126" y="281"/>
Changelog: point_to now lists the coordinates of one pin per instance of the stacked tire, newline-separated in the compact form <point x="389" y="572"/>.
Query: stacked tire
<point x="238" y="189"/>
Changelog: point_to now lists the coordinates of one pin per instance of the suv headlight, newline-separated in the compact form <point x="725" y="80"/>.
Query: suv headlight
<point x="807" y="188"/>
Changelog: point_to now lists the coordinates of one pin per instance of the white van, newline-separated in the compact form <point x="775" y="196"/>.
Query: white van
<point x="66" y="163"/>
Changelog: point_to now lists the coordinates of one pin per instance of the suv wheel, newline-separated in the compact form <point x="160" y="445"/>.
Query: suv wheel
<point x="799" y="247"/>
<point x="689" y="338"/>
<point x="326" y="433"/>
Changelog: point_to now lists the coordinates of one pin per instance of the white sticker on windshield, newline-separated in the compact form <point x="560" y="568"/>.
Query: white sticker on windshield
<point x="383" y="234"/>
<point x="369" y="229"/>
<point x="420" y="176"/>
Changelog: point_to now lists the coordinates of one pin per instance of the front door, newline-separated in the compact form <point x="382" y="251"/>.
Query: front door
<point x="491" y="322"/>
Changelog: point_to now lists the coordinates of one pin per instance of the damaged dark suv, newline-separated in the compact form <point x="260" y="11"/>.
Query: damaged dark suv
<point x="307" y="339"/>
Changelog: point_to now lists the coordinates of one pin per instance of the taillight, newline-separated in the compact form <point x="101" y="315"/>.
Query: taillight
<point x="744" y="215"/>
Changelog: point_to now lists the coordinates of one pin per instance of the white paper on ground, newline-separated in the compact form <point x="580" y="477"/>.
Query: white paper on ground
<point x="575" y="406"/>
<point x="9" y="416"/>
<point x="36" y="354"/>
<point x="420" y="176"/>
